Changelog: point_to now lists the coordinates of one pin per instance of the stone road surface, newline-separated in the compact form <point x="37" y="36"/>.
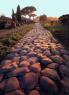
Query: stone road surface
<point x="37" y="65"/>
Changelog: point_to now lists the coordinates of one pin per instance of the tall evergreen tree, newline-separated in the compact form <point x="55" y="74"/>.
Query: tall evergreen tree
<point x="13" y="15"/>
<point x="18" y="14"/>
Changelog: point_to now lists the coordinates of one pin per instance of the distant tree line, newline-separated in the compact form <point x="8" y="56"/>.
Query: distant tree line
<point x="18" y="17"/>
<point x="20" y="13"/>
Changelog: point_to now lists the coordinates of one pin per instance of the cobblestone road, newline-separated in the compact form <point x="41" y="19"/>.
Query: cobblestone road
<point x="37" y="65"/>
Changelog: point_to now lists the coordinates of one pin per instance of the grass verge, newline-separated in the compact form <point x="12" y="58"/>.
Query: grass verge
<point x="60" y="32"/>
<point x="12" y="38"/>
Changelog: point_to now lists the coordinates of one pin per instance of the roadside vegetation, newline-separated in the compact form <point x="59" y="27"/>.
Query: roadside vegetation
<point x="12" y="29"/>
<point x="12" y="38"/>
<point x="58" y="27"/>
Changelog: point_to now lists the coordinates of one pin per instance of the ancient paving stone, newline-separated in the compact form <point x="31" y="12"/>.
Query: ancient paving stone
<point x="7" y="68"/>
<point x="18" y="72"/>
<point x="37" y="50"/>
<point x="15" y="50"/>
<point x="45" y="61"/>
<point x="40" y="55"/>
<point x="34" y="92"/>
<point x="60" y="46"/>
<point x="53" y="66"/>
<point x="26" y="47"/>
<point x="8" y="64"/>
<point x="22" y="58"/>
<point x="47" y="53"/>
<point x="33" y="60"/>
<point x="42" y="48"/>
<point x="67" y="64"/>
<point x="57" y="59"/>
<point x="32" y="54"/>
<point x="66" y="57"/>
<point x="55" y="52"/>
<point x="29" y="81"/>
<point x="24" y="63"/>
<point x="16" y="92"/>
<point x="64" y="71"/>
<point x="45" y="45"/>
<point x="65" y="85"/>
<point x="14" y="64"/>
<point x="11" y="84"/>
<point x="51" y="73"/>
<point x="5" y="62"/>
<point x="37" y="44"/>
<point x="64" y="52"/>
<point x="16" y="59"/>
<point x="11" y="55"/>
<point x="1" y="77"/>
<point x="2" y="85"/>
<point x="35" y="67"/>
<point x="23" y="52"/>
<point x="48" y="85"/>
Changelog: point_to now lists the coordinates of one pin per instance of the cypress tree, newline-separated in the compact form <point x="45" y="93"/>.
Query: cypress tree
<point x="18" y="14"/>
<point x="13" y="15"/>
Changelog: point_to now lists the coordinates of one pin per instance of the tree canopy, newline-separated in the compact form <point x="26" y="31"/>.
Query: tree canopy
<point x="64" y="19"/>
<point x="28" y="10"/>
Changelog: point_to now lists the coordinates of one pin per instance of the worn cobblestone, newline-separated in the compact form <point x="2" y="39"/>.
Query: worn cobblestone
<point x="37" y="61"/>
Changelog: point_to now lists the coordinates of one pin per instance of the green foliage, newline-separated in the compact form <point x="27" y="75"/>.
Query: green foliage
<point x="3" y="50"/>
<point x="18" y="14"/>
<point x="59" y="31"/>
<point x="28" y="11"/>
<point x="64" y="19"/>
<point x="55" y="26"/>
<point x="11" y="39"/>
<point x="13" y="15"/>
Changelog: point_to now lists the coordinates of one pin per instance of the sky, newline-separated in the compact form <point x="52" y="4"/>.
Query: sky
<point x="48" y="7"/>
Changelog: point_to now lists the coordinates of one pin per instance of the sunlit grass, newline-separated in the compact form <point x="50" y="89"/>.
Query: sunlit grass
<point x="55" y="28"/>
<point x="12" y="38"/>
<point x="59" y="31"/>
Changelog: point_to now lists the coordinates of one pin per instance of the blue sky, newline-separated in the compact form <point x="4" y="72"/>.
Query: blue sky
<point x="48" y="7"/>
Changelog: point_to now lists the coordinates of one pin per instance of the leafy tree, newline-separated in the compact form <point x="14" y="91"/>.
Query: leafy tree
<point x="28" y="10"/>
<point x="18" y="14"/>
<point x="64" y="20"/>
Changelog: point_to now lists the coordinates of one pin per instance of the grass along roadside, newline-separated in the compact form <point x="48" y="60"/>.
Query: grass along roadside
<point x="59" y="31"/>
<point x="12" y="38"/>
<point x="55" y="27"/>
